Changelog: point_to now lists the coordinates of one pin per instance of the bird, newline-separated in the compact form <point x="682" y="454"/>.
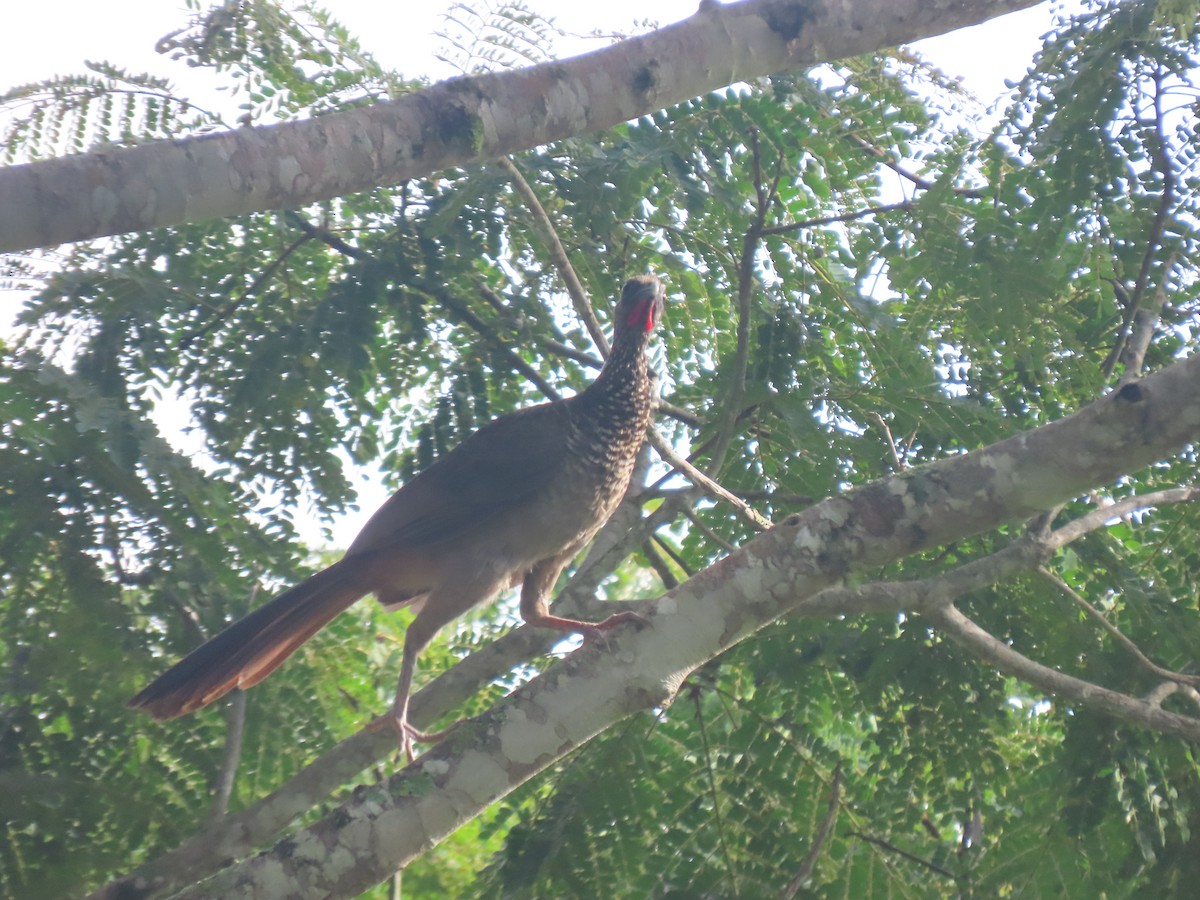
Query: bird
<point x="511" y="505"/>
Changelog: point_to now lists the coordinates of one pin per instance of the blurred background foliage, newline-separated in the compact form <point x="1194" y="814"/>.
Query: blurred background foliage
<point x="861" y="279"/>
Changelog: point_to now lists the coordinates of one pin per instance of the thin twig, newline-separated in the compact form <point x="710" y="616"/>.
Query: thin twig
<point x="1161" y="160"/>
<point x="551" y="344"/>
<point x="558" y="255"/>
<point x="1141" y="330"/>
<point x="772" y="230"/>
<point x="892" y="848"/>
<point x="568" y="352"/>
<point x="702" y="481"/>
<point x="1112" y="629"/>
<point x="324" y="235"/>
<point x="824" y="830"/>
<point x="218" y="317"/>
<point x="919" y="180"/>
<point x="732" y="403"/>
<point x="714" y="538"/>
<point x="715" y="795"/>
<point x="460" y="308"/>
<point x="887" y="433"/>
<point x="454" y="304"/>
<point x="235" y="729"/>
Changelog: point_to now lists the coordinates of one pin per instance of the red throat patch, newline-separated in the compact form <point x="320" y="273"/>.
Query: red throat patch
<point x="642" y="315"/>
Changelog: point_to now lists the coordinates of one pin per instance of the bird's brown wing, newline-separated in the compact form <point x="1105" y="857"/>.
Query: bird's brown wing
<point x="501" y="466"/>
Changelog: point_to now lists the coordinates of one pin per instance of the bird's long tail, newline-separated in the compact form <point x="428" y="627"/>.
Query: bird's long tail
<point x="250" y="649"/>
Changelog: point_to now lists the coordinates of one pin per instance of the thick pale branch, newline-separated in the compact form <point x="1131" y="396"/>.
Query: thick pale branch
<point x="453" y="123"/>
<point x="1018" y="558"/>
<point x="1167" y="688"/>
<point x="928" y="594"/>
<point x="381" y="829"/>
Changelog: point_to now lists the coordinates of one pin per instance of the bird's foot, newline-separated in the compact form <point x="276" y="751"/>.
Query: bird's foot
<point x="599" y="631"/>
<point x="410" y="735"/>
<point x="592" y="632"/>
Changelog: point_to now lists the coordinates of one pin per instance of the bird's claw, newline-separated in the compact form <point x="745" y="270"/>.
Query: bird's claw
<point x="599" y="631"/>
<point x="409" y="735"/>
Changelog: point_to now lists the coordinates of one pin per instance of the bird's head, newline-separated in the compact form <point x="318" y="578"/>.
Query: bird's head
<point x="640" y="305"/>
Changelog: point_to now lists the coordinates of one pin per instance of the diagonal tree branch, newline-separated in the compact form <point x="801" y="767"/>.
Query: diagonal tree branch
<point x="1144" y="712"/>
<point x="702" y="481"/>
<point x="824" y="830"/>
<point x="558" y="254"/>
<point x="1021" y="557"/>
<point x="453" y="123"/>
<point x="899" y="851"/>
<point x="1095" y="614"/>
<point x="726" y="425"/>
<point x="1090" y="521"/>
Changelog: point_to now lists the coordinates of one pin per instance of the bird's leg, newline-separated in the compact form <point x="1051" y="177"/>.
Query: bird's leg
<point x="449" y="601"/>
<point x="416" y="638"/>
<point x="535" y="606"/>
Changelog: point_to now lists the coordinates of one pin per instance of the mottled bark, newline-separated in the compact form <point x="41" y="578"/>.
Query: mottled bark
<point x="453" y="123"/>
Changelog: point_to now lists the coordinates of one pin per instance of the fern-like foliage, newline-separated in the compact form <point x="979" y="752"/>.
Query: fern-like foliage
<point x="76" y="113"/>
<point x="483" y="37"/>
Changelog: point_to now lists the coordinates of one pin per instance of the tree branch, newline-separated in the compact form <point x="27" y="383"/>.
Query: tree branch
<point x="918" y="180"/>
<point x="226" y="310"/>
<point x="558" y="255"/>
<point x="1145" y="713"/>
<point x="702" y="481"/>
<point x="732" y="404"/>
<point x="911" y="857"/>
<point x="787" y="228"/>
<point x="1112" y="629"/>
<point x="1133" y="299"/>
<point x="824" y="830"/>
<point x="463" y="312"/>
<point x="453" y="123"/>
<point x="1090" y="521"/>
<point x="235" y="724"/>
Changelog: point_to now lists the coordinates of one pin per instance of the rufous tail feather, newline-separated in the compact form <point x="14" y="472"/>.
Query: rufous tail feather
<point x="250" y="649"/>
